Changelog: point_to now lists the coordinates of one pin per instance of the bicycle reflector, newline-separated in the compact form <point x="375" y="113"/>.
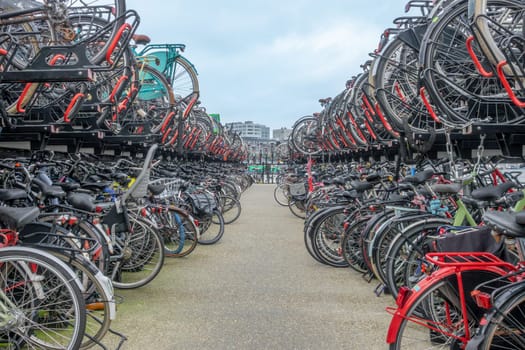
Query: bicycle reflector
<point x="402" y="296"/>
<point x="483" y="300"/>
<point x="73" y="220"/>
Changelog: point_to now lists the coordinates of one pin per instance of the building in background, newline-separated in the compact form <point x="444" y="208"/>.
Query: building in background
<point x="281" y="134"/>
<point x="257" y="137"/>
<point x="250" y="130"/>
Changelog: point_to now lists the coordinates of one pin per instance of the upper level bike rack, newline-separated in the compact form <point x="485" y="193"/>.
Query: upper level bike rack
<point x="70" y="63"/>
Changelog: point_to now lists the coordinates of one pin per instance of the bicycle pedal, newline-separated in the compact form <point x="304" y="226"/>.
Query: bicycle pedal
<point x="95" y="306"/>
<point x="380" y="289"/>
<point x="368" y="277"/>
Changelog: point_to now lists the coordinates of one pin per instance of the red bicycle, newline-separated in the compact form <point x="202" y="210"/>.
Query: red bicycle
<point x="441" y="311"/>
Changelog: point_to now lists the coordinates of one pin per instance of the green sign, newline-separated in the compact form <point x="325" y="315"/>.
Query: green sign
<point x="216" y="116"/>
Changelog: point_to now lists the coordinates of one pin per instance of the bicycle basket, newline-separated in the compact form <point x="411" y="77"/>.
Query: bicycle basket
<point x="297" y="190"/>
<point x="473" y="239"/>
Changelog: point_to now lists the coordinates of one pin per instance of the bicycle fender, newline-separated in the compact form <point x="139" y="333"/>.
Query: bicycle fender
<point x="400" y="313"/>
<point x="188" y="62"/>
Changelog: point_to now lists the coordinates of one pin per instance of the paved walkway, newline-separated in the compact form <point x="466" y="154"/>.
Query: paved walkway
<point x="256" y="289"/>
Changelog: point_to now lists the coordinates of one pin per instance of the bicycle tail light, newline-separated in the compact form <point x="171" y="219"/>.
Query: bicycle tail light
<point x="483" y="300"/>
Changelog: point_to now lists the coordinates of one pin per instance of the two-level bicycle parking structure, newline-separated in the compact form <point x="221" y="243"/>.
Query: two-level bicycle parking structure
<point x="399" y="175"/>
<point x="161" y="177"/>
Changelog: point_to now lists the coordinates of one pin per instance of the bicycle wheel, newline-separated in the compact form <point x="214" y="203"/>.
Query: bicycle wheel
<point x="383" y="240"/>
<point x="184" y="82"/>
<point x="327" y="236"/>
<point x="281" y="195"/>
<point x="297" y="207"/>
<point x="98" y="42"/>
<point x="179" y="233"/>
<point x="304" y="136"/>
<point x="96" y="246"/>
<point x="404" y="253"/>
<point x="154" y="100"/>
<point x="309" y="231"/>
<point x="351" y="246"/>
<point x="505" y="325"/>
<point x="434" y="319"/>
<point x="397" y="88"/>
<point x="230" y="208"/>
<point x="142" y="256"/>
<point x="41" y="301"/>
<point x="211" y="228"/>
<point x="98" y="297"/>
<point x="450" y="76"/>
<point x="378" y="243"/>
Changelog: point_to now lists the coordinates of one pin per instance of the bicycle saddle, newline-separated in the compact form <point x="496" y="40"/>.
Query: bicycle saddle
<point x="156" y="189"/>
<point x="141" y="39"/>
<point x="48" y="190"/>
<point x="508" y="223"/>
<point x="420" y="177"/>
<point x="16" y="218"/>
<point x="492" y="193"/>
<point x="81" y="201"/>
<point x="11" y="194"/>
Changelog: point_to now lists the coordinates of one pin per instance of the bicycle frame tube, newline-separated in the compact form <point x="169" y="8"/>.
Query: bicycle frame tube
<point x="520" y="204"/>
<point x="463" y="214"/>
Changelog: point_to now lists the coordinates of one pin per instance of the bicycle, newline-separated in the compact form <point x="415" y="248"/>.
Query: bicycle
<point x="440" y="309"/>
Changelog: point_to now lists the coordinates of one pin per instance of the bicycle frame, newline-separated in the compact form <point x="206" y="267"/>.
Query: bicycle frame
<point x="462" y="214"/>
<point x="165" y="55"/>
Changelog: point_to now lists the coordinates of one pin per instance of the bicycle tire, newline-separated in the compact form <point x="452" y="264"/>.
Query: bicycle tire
<point x="211" y="228"/>
<point x="185" y="82"/>
<point x="280" y="194"/>
<point x="179" y="233"/>
<point x="56" y="318"/>
<point x="402" y="246"/>
<point x="351" y="246"/>
<point x="99" y="304"/>
<point x="375" y="251"/>
<point x="302" y="138"/>
<point x="309" y="229"/>
<point x="230" y="208"/>
<point x="143" y="256"/>
<point x="327" y="235"/>
<point x="297" y="207"/>
<point x="505" y="324"/>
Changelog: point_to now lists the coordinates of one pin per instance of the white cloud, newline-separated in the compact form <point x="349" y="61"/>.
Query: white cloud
<point x="267" y="60"/>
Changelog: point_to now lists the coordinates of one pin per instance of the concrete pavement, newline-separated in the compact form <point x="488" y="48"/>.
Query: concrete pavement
<point x="256" y="289"/>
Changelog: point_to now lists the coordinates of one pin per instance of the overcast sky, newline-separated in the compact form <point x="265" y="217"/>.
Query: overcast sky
<point x="269" y="61"/>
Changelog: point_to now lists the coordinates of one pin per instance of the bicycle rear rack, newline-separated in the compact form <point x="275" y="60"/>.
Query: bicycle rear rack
<point x="467" y="259"/>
